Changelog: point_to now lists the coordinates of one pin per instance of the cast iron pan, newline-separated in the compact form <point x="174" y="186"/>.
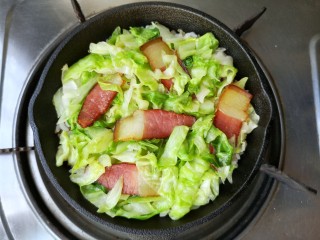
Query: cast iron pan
<point x="75" y="46"/>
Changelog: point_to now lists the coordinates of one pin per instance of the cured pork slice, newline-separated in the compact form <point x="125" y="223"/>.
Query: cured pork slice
<point x="232" y="110"/>
<point x="133" y="183"/>
<point x="167" y="83"/>
<point x="153" y="50"/>
<point x="150" y="124"/>
<point x="130" y="178"/>
<point x="97" y="102"/>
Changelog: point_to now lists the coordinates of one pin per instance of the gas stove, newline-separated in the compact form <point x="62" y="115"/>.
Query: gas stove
<point x="280" y="38"/>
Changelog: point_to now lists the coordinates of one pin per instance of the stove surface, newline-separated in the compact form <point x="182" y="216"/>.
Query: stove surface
<point x="280" y="39"/>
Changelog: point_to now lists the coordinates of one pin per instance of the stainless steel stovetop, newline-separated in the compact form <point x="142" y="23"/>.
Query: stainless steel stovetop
<point x="281" y="40"/>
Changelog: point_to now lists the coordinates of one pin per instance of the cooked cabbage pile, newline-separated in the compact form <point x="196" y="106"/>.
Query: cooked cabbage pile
<point x="119" y="166"/>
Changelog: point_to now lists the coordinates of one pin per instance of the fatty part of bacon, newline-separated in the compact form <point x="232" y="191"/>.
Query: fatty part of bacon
<point x="153" y="50"/>
<point x="97" y="102"/>
<point x="150" y="124"/>
<point x="133" y="183"/>
<point x="232" y="110"/>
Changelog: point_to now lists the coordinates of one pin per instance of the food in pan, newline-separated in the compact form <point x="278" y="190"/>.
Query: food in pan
<point x="152" y="121"/>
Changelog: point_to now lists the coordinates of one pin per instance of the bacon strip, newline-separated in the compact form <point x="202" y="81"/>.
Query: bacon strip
<point x="133" y="183"/>
<point x="130" y="178"/>
<point x="95" y="105"/>
<point x="160" y="123"/>
<point x="167" y="83"/>
<point x="232" y="110"/>
<point x="228" y="125"/>
<point x="149" y="124"/>
<point x="152" y="50"/>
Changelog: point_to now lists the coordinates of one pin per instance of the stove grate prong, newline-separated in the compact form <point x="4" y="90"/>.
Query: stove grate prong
<point x="249" y="23"/>
<point x="16" y="149"/>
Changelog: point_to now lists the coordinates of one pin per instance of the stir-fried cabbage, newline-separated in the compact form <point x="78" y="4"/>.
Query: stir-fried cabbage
<point x="182" y="168"/>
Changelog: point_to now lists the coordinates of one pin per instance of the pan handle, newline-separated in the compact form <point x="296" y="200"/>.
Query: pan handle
<point x="280" y="176"/>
